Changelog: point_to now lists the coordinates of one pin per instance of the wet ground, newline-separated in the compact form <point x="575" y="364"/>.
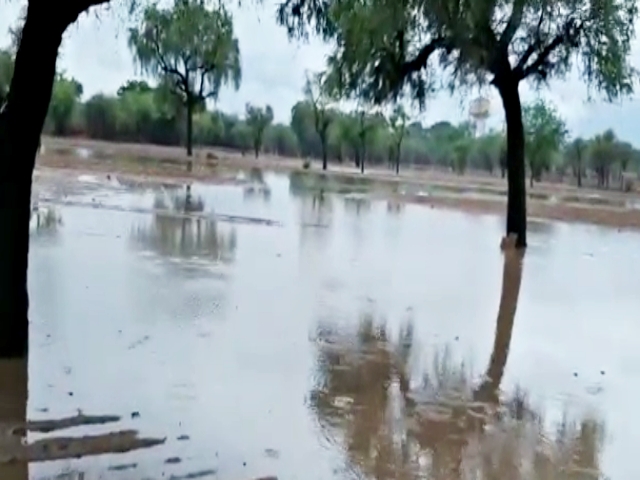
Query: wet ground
<point x="267" y="329"/>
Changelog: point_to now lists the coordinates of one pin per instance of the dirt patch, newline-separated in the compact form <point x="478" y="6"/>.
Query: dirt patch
<point x="606" y="216"/>
<point x="473" y="193"/>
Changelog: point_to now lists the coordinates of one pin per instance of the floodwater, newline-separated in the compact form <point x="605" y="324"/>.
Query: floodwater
<point x="347" y="337"/>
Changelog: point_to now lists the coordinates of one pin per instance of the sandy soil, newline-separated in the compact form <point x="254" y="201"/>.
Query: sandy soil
<point x="554" y="201"/>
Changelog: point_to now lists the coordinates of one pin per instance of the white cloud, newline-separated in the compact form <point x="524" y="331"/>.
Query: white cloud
<point x="95" y="52"/>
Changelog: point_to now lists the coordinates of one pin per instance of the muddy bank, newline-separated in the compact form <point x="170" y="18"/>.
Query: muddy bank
<point x="145" y="164"/>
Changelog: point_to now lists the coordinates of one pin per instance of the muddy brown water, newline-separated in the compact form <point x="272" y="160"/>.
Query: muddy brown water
<point x="347" y="338"/>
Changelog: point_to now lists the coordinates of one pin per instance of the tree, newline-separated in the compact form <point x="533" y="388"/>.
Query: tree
<point x="258" y="119"/>
<point x="601" y="155"/>
<point x="575" y="153"/>
<point x="64" y="99"/>
<point x="398" y="123"/>
<point x="191" y="46"/>
<point x="461" y="151"/>
<point x="314" y="93"/>
<point x="545" y="135"/>
<point x="364" y="130"/>
<point x="384" y="49"/>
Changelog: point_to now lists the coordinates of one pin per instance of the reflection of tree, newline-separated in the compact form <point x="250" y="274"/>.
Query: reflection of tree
<point x="444" y="428"/>
<point x="394" y="206"/>
<point x="316" y="209"/>
<point x="179" y="202"/>
<point x="44" y="220"/>
<point x="181" y="236"/>
<point x="357" y="203"/>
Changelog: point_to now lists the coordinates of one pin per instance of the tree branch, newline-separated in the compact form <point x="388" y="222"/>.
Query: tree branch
<point x="569" y="34"/>
<point x="164" y="66"/>
<point x="421" y="59"/>
<point x="512" y="26"/>
<point x="531" y="49"/>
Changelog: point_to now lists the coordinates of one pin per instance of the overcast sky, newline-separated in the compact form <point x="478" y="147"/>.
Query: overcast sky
<point x="95" y="52"/>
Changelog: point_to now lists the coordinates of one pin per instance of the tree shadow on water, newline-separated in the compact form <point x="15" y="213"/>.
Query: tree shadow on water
<point x="446" y="425"/>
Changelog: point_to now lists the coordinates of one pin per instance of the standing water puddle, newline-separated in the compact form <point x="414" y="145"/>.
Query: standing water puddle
<point x="349" y="338"/>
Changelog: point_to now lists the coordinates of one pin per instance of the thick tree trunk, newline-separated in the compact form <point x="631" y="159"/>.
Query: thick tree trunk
<point x="189" y="132"/>
<point x="20" y="126"/>
<point x="579" y="176"/>
<point x="13" y="415"/>
<point x="516" y="195"/>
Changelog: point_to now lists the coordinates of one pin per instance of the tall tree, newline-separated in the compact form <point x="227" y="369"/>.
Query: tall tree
<point x="398" y="123"/>
<point x="384" y="48"/>
<point x="602" y="152"/>
<point x="192" y="46"/>
<point x="314" y="93"/>
<point x="545" y="136"/>
<point x="258" y="119"/>
<point x="576" y="153"/>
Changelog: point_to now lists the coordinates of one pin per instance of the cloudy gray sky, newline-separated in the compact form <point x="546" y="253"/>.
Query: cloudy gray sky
<point x="95" y="52"/>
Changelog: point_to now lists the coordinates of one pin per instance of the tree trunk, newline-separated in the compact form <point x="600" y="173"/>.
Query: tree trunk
<point x="13" y="415"/>
<point x="398" y="160"/>
<point x="579" y="176"/>
<point x="189" y="132"/>
<point x="516" y="195"/>
<point x="323" y="141"/>
<point x="531" y="180"/>
<point x="21" y="123"/>
<point x="362" y="162"/>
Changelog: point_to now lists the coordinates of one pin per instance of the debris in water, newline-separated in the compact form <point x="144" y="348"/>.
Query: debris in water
<point x="173" y="460"/>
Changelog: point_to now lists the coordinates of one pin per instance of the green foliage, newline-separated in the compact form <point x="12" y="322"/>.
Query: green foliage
<point x="258" y="119"/>
<point x="545" y="136"/>
<point x="64" y="100"/>
<point x="191" y="49"/>
<point x="383" y="46"/>
<point x="6" y="73"/>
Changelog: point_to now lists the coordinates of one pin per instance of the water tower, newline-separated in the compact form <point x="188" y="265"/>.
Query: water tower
<point x="479" y="112"/>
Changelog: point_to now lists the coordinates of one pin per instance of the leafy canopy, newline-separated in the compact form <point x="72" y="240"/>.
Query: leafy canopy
<point x="258" y="119"/>
<point x="191" y="46"/>
<point x="545" y="135"/>
<point x="384" y="47"/>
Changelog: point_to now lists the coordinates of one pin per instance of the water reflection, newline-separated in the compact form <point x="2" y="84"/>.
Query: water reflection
<point x="256" y="186"/>
<point x="16" y="452"/>
<point x="44" y="219"/>
<point x="178" y="202"/>
<point x="444" y="427"/>
<point x="186" y="237"/>
<point x="357" y="203"/>
<point x="395" y="207"/>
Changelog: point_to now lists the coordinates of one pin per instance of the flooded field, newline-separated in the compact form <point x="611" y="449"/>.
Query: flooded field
<point x="265" y="329"/>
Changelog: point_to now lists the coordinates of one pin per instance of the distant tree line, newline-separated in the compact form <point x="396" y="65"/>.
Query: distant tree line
<point x="143" y="113"/>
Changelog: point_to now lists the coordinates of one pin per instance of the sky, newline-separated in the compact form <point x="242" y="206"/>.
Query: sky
<point x="95" y="52"/>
